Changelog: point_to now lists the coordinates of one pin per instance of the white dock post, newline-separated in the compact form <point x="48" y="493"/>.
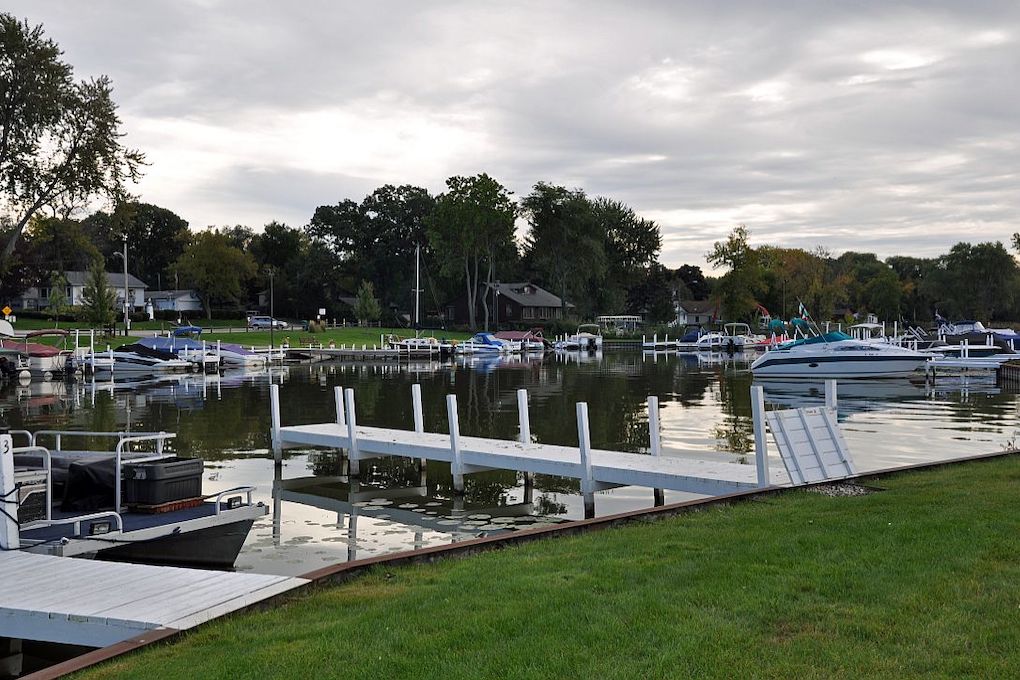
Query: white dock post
<point x="761" y="451"/>
<point x="338" y="400"/>
<point x="584" y="444"/>
<point x="456" y="465"/>
<point x="419" y="420"/>
<point x="524" y="418"/>
<point x="353" y="455"/>
<point x="9" y="537"/>
<point x="831" y="398"/>
<point x="274" y="423"/>
<point x="655" y="443"/>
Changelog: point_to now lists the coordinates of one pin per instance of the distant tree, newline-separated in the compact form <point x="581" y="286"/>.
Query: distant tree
<point x="56" y="303"/>
<point x="564" y="242"/>
<point x="216" y="270"/>
<point x="631" y="247"/>
<point x="366" y="308"/>
<point x="59" y="244"/>
<point x="913" y="273"/>
<point x="883" y="295"/>
<point x="59" y="140"/>
<point x="738" y="288"/>
<point x="98" y="300"/>
<point x="694" y="280"/>
<point x="978" y="281"/>
<point x="473" y="224"/>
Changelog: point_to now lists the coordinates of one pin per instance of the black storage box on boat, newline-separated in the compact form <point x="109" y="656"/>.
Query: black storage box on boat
<point x="162" y="481"/>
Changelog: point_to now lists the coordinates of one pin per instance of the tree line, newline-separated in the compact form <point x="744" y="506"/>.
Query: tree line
<point x="979" y="280"/>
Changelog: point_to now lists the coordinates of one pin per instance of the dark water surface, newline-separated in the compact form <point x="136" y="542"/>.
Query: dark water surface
<point x="322" y="517"/>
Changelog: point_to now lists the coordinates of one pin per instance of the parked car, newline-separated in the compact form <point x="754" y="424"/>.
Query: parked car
<point x="266" y="322"/>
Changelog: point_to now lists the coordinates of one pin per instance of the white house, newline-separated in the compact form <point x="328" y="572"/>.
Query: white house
<point x="39" y="297"/>
<point x="183" y="300"/>
<point x="698" y="312"/>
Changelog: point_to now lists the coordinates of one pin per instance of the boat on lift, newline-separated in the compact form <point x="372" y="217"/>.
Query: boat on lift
<point x="482" y="343"/>
<point x="136" y="358"/>
<point x="184" y="344"/>
<point x="588" y="338"/>
<point x="528" y="341"/>
<point x="837" y="355"/>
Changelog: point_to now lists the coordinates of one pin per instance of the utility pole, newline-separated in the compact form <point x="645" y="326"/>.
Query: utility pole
<point x="127" y="304"/>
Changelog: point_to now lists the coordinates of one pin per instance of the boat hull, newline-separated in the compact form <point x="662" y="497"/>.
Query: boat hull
<point x="215" y="547"/>
<point x="837" y="367"/>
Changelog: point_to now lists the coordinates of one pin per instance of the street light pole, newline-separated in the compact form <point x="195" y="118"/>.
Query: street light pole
<point x="272" y="313"/>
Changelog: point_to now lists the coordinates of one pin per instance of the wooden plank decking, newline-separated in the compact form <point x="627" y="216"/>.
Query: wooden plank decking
<point x="93" y="603"/>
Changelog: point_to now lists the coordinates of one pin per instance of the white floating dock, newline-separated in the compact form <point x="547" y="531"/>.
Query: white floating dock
<point x="93" y="603"/>
<point x="596" y="469"/>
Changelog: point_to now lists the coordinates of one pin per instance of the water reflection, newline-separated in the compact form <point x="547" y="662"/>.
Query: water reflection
<point x="321" y="515"/>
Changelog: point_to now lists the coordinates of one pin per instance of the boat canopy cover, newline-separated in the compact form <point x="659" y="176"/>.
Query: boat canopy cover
<point x="834" y="336"/>
<point x="143" y="350"/>
<point x="187" y="330"/>
<point x="485" y="339"/>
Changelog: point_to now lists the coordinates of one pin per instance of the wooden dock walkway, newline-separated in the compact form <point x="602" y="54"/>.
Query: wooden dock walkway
<point x="596" y="469"/>
<point x="94" y="603"/>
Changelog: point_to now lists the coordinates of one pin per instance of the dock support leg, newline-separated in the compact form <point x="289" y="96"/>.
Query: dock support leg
<point x="761" y="452"/>
<point x="831" y="400"/>
<point x="584" y="444"/>
<point x="524" y="418"/>
<point x="10" y="538"/>
<point x="419" y="422"/>
<point x="655" y="444"/>
<point x="274" y="424"/>
<point x="456" y="465"/>
<point x="354" y="457"/>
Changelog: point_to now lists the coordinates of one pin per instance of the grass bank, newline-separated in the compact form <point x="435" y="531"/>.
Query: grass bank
<point x="918" y="580"/>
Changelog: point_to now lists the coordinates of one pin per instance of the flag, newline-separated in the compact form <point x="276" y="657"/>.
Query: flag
<point x="803" y="312"/>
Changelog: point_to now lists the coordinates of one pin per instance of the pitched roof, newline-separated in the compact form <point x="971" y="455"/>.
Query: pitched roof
<point x="114" y="279"/>
<point x="528" y="294"/>
<point x="698" y="306"/>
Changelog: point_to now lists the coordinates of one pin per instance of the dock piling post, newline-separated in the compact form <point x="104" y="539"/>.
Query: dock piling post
<point x="274" y="423"/>
<point x="584" y="444"/>
<point x="9" y="536"/>
<point x="655" y="444"/>
<point x="338" y="401"/>
<point x="419" y="422"/>
<point x="524" y="418"/>
<point x="353" y="454"/>
<point x="456" y="465"/>
<point x="831" y="398"/>
<point x="761" y="452"/>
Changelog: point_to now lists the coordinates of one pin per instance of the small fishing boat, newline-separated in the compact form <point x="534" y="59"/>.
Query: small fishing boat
<point x="588" y="338"/>
<point x="136" y="358"/>
<point x="837" y="355"/>
<point x="482" y="343"/>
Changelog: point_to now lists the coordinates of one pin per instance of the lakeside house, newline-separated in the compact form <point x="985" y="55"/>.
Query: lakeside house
<point x="522" y="303"/>
<point x="697" y="312"/>
<point x="38" y="297"/>
<point x="181" y="300"/>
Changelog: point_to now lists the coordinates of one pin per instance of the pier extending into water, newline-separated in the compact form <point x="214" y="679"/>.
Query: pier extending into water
<point x="596" y="469"/>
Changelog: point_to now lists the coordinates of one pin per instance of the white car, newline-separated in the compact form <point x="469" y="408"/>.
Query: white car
<point x="266" y="322"/>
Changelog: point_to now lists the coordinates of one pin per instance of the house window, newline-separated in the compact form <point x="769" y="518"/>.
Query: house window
<point x="526" y="312"/>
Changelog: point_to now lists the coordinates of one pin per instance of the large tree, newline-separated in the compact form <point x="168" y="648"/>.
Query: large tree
<point x="60" y="140"/>
<point x="565" y="242"/>
<point x="738" y="289"/>
<point x="156" y="237"/>
<point x="215" y="269"/>
<point x="99" y="299"/>
<point x="631" y="247"/>
<point x="473" y="224"/>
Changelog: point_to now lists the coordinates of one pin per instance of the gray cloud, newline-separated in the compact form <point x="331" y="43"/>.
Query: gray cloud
<point x="872" y="126"/>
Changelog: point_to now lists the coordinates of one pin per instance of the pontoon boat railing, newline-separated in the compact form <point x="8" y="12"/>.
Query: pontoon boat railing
<point x="49" y="472"/>
<point x="78" y="519"/>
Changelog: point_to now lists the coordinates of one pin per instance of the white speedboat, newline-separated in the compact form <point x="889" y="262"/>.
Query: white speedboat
<point x="136" y="358"/>
<point x="837" y="355"/>
<point x="738" y="337"/>
<point x="587" y="338"/>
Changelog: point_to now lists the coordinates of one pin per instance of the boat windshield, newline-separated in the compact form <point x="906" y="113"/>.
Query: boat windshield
<point x="834" y="336"/>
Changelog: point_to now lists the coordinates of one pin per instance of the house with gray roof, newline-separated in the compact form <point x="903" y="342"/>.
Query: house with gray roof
<point x="38" y="297"/>
<point x="517" y="303"/>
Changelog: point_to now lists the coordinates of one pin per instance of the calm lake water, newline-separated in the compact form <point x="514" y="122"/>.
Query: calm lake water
<point x="320" y="517"/>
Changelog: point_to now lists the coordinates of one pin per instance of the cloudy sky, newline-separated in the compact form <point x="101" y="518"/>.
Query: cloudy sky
<point x="852" y="125"/>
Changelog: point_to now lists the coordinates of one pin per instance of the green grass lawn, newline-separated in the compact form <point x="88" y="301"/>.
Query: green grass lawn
<point x="922" y="579"/>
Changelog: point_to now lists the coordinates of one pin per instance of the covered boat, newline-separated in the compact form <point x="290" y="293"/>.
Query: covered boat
<point x="482" y="343"/>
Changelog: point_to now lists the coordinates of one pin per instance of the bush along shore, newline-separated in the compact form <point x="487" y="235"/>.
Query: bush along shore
<point x="916" y="579"/>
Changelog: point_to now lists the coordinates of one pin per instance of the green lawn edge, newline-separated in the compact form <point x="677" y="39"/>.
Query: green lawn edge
<point x="920" y="579"/>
